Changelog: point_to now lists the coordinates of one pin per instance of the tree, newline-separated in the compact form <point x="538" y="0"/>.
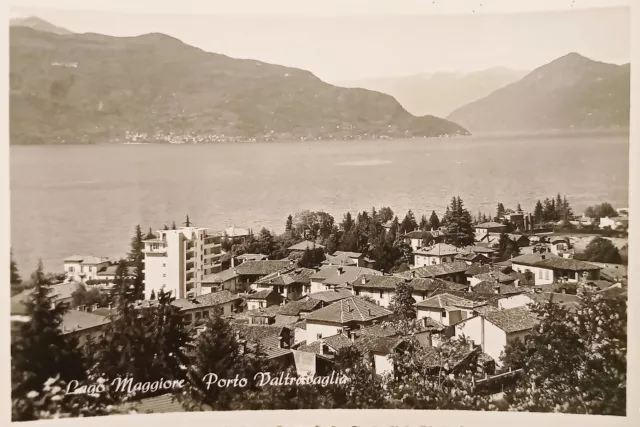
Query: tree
<point x="289" y="224"/>
<point x="602" y="250"/>
<point x="15" y="280"/>
<point x="311" y="257"/>
<point x="519" y="208"/>
<point x="402" y="303"/>
<point x="40" y="351"/>
<point x="82" y="296"/>
<point x="538" y="212"/>
<point x="424" y="223"/>
<point x="216" y="351"/>
<point x="165" y="227"/>
<point x="434" y="221"/>
<point x="136" y="256"/>
<point x="507" y="248"/>
<point x="500" y="211"/>
<point x="601" y="211"/>
<point x="150" y="235"/>
<point x="187" y="222"/>
<point x="427" y="239"/>
<point x="385" y="214"/>
<point x="408" y="223"/>
<point x="173" y="226"/>
<point x="369" y="299"/>
<point x="153" y="295"/>
<point x="577" y="361"/>
<point x="459" y="228"/>
<point x="347" y="223"/>
<point x="265" y="242"/>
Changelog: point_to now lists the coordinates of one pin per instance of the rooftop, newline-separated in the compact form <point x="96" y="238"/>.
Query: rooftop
<point x="295" y="275"/>
<point x="262" y="295"/>
<point x="305" y="244"/>
<point x="76" y="320"/>
<point x="220" y="277"/>
<point x="415" y="234"/>
<point x="346" y="275"/>
<point x="548" y="260"/>
<point x="349" y="254"/>
<point x="252" y="257"/>
<point x="439" y="249"/>
<point x="262" y="268"/>
<point x="447" y="300"/>
<point x="206" y="300"/>
<point x="443" y="269"/>
<point x="341" y="259"/>
<point x="86" y="259"/>
<point x="294" y="308"/>
<point x="513" y="319"/>
<point x="352" y="309"/>
<point x="489" y="224"/>
<point x="495" y="276"/>
<point x="378" y="344"/>
<point x="377" y="281"/>
<point x="331" y="296"/>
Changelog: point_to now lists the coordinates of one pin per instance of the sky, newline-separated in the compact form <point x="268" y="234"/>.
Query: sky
<point x="349" y="40"/>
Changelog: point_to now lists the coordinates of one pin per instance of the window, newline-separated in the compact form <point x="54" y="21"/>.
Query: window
<point x="70" y="269"/>
<point x="444" y="314"/>
<point x="198" y="315"/>
<point x="205" y="313"/>
<point x="381" y="293"/>
<point x="82" y="269"/>
<point x="319" y="336"/>
<point x="539" y="274"/>
<point x="357" y="292"/>
<point x="339" y="330"/>
<point x="546" y="275"/>
<point x="164" y="264"/>
<point x="164" y="275"/>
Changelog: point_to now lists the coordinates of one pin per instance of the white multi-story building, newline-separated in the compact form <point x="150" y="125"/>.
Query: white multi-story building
<point x="178" y="260"/>
<point x="80" y="268"/>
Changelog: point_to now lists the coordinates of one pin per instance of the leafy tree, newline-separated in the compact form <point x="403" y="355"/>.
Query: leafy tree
<point x="602" y="250"/>
<point x="311" y="257"/>
<point x="577" y="362"/>
<point x="40" y="351"/>
<point x="459" y="229"/>
<point x="385" y="214"/>
<point x="408" y="223"/>
<point x="332" y="243"/>
<point x="427" y="239"/>
<point x="369" y="299"/>
<point x="289" y="224"/>
<point x="600" y="211"/>
<point x="265" y="242"/>
<point x="418" y="384"/>
<point x="402" y="303"/>
<point x="217" y="351"/>
<point x="136" y="256"/>
<point x="434" y="221"/>
<point x="82" y="296"/>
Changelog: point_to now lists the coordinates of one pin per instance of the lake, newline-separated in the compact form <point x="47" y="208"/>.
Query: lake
<point x="87" y="199"/>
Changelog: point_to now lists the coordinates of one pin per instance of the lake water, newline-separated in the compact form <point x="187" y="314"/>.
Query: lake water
<point x="87" y="199"/>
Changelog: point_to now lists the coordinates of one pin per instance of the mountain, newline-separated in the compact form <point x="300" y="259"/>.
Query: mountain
<point x="440" y="93"/>
<point x="570" y="93"/>
<point x="85" y="88"/>
<point x="38" y="24"/>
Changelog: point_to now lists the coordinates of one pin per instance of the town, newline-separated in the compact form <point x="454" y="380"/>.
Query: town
<point x="473" y="298"/>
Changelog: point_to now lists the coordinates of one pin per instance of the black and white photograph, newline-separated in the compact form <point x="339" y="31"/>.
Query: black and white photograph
<point x="271" y="209"/>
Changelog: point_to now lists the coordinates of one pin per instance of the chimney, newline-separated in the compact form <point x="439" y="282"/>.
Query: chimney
<point x="364" y="280"/>
<point x="349" y="307"/>
<point x="543" y="256"/>
<point x="322" y="347"/>
<point x="339" y="270"/>
<point x="110" y="305"/>
<point x="413" y="274"/>
<point x="278" y="274"/>
<point x="369" y="312"/>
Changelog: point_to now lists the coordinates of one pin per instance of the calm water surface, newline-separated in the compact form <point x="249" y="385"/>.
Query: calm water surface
<point x="87" y="199"/>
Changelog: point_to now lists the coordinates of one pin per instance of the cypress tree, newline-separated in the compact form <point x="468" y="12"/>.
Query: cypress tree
<point x="289" y="224"/>
<point x="424" y="223"/>
<point x="15" y="275"/>
<point x="459" y="225"/>
<point x="434" y="221"/>
<point x="173" y="226"/>
<point x="136" y="256"/>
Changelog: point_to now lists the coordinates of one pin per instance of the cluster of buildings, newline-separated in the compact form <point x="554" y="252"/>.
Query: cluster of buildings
<point x="301" y="317"/>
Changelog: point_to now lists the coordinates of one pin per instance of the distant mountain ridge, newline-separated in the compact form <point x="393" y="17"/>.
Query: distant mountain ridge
<point x="38" y="24"/>
<point x="84" y="88"/>
<point x="570" y="93"/>
<point x="440" y="93"/>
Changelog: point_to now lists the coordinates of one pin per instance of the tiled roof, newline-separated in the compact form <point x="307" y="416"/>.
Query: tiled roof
<point x="415" y="234"/>
<point x="86" y="259"/>
<point x="470" y="256"/>
<point x="429" y="284"/>
<point x="380" y="330"/>
<point x="378" y="344"/>
<point x="206" y="300"/>
<point x="111" y="271"/>
<point x="305" y="244"/>
<point x="475" y="269"/>
<point x="269" y="312"/>
<point x="489" y="287"/>
<point x="439" y="249"/>
<point x="348" y="275"/>
<point x="273" y="352"/>
<point x="513" y="319"/>
<point x="252" y="257"/>
<point x="378" y="282"/>
<point x="59" y="292"/>
<point x="331" y="296"/>
<point x="559" y="298"/>
<point x="288" y="277"/>
<point x="302" y="324"/>
<point x="262" y="268"/>
<point x="479" y="249"/>
<point x="313" y="347"/>
<point x="76" y="320"/>
<point x="220" y="277"/>
<point x="434" y="358"/>
<point x="261" y="295"/>
<point x="496" y="276"/>
<point x="352" y="309"/>
<point x="257" y="333"/>
<point x="294" y="308"/>
<point x="342" y="259"/>
<point x="600" y="284"/>
<point x="436" y="270"/>
<point x="484" y="309"/>
<point x="551" y="261"/>
<point x="445" y="300"/>
<point x="349" y="254"/>
<point x="489" y="224"/>
<point x="338" y="341"/>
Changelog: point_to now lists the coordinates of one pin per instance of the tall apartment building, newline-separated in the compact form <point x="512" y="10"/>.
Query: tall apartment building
<point x="178" y="260"/>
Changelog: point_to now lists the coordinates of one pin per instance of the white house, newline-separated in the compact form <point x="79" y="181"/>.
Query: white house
<point x="485" y="228"/>
<point x="203" y="306"/>
<point x="178" y="260"/>
<point x="548" y="268"/>
<point x="83" y="325"/>
<point x="333" y="276"/>
<point x="436" y="254"/>
<point x="80" y="268"/>
<point x="494" y="329"/>
<point x="415" y="238"/>
<point x="341" y="317"/>
<point x="614" y="223"/>
<point x="515" y="300"/>
<point x="446" y="308"/>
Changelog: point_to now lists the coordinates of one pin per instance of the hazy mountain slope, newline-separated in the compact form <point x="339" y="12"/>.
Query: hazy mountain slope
<point x="96" y="88"/>
<point x="38" y="24"/>
<point x="440" y="93"/>
<point x="571" y="92"/>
